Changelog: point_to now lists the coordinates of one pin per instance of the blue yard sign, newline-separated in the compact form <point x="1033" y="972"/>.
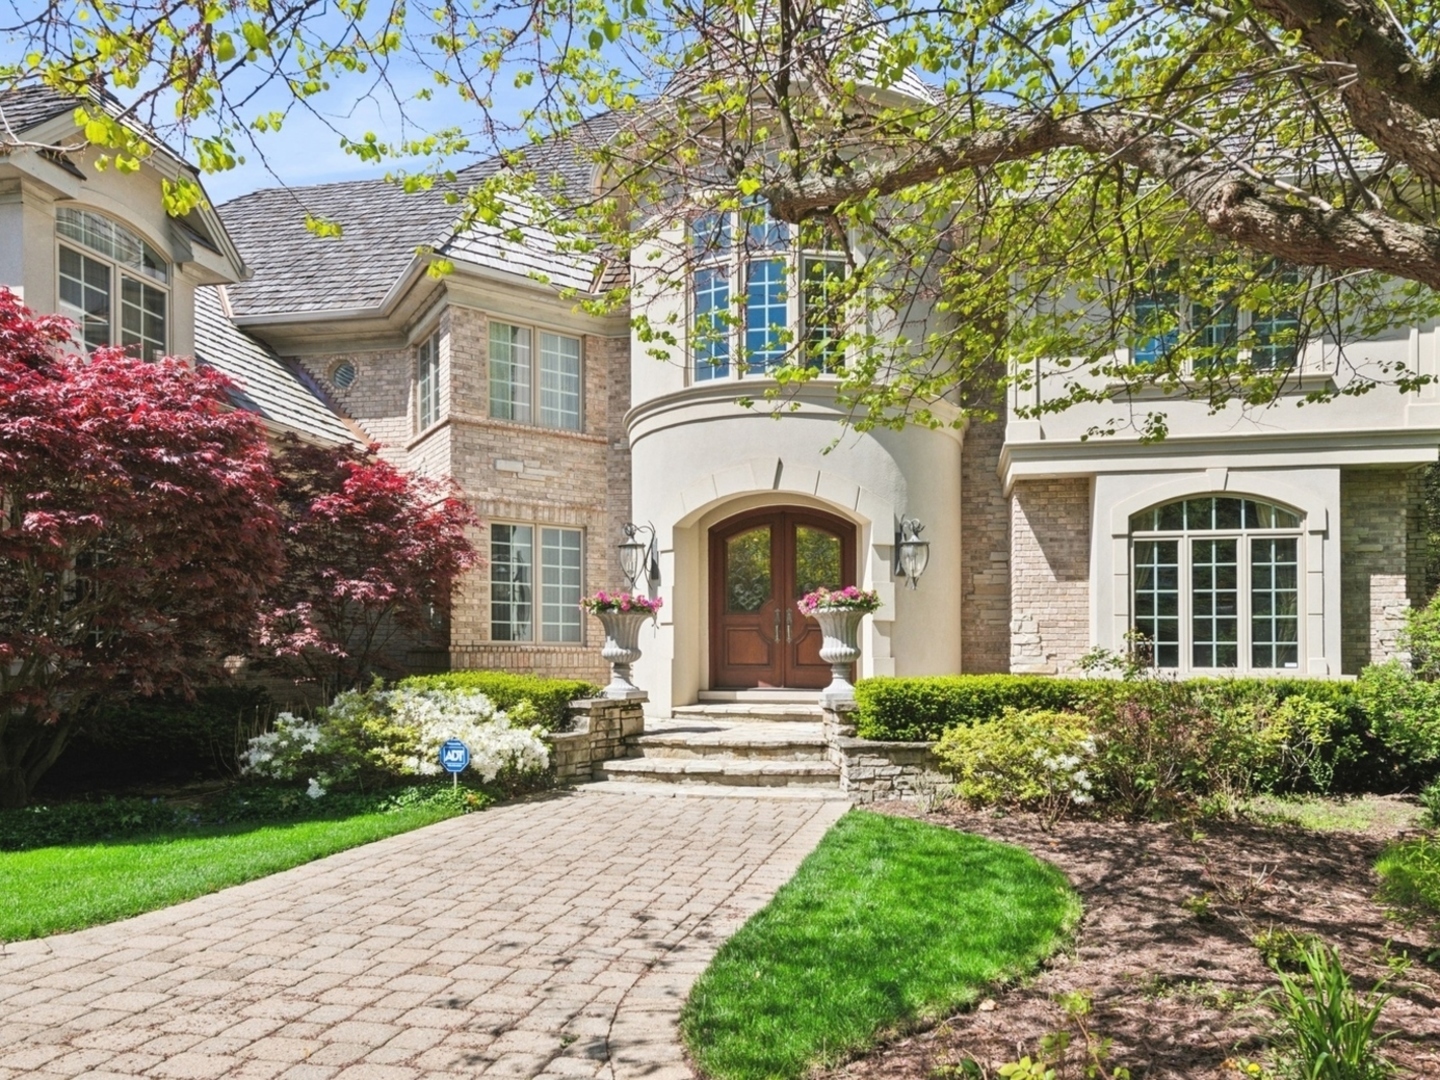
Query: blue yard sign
<point x="454" y="756"/>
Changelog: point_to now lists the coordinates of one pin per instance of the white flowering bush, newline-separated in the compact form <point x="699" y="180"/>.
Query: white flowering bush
<point x="372" y="737"/>
<point x="1031" y="759"/>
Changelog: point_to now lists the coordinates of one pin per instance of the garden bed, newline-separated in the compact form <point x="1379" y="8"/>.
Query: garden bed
<point x="1166" y="943"/>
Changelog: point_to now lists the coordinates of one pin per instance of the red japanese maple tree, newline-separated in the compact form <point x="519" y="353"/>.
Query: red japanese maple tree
<point x="138" y="533"/>
<point x="371" y="556"/>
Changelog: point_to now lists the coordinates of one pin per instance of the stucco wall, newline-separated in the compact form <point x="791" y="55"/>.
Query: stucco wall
<point x="1049" y="575"/>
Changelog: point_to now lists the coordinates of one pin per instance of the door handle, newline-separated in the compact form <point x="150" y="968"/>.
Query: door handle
<point x="776" y="635"/>
<point x="788" y="614"/>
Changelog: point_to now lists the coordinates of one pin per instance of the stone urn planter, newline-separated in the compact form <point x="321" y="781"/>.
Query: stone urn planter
<point x="839" y="612"/>
<point x="840" y="649"/>
<point x="621" y="615"/>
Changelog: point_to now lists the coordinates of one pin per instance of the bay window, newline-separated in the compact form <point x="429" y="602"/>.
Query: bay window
<point x="427" y="383"/>
<point x="522" y="558"/>
<point x="113" y="284"/>
<point x="763" y="294"/>
<point x="1216" y="584"/>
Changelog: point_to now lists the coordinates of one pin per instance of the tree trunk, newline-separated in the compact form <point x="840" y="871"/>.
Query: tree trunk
<point x="14" y="793"/>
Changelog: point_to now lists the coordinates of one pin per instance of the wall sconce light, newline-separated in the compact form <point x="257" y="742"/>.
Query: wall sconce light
<point x="640" y="558"/>
<point x="912" y="554"/>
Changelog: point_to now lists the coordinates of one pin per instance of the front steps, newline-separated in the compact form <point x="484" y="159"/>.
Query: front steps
<point x="706" y="748"/>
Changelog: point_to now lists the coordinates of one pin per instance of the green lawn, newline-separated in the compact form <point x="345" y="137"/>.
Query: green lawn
<point x="887" y="924"/>
<point x="54" y="889"/>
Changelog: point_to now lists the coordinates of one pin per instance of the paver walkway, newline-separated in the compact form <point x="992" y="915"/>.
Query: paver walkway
<point x="546" y="939"/>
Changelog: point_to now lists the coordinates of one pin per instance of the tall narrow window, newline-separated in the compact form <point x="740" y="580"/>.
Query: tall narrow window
<point x="112" y="283"/>
<point x="510" y="372"/>
<point x="427" y="383"/>
<point x="1216" y="584"/>
<point x="518" y="567"/>
<point x="512" y="560"/>
<point x="560" y="381"/>
<point x="1156" y="310"/>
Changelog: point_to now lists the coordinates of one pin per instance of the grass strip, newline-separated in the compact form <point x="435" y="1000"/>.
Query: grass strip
<point x="56" y="889"/>
<point x="888" y="924"/>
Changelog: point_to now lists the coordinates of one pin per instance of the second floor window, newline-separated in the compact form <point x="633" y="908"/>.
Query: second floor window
<point x="114" y="285"/>
<point x="1215" y="330"/>
<point x="427" y="383"/>
<point x="533" y="566"/>
<point x="535" y="377"/>
<point x="763" y="294"/>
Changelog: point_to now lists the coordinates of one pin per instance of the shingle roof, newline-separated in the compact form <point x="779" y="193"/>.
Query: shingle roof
<point x="25" y="107"/>
<point x="297" y="271"/>
<point x="265" y="384"/>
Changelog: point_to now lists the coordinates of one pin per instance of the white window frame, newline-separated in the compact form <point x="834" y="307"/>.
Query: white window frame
<point x="1186" y="326"/>
<point x="430" y="347"/>
<point x="538" y="585"/>
<point x="117" y="274"/>
<point x="1184" y="539"/>
<point x="733" y="257"/>
<point x="536" y="405"/>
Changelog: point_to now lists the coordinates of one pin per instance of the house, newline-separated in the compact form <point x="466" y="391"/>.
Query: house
<point x="1281" y="543"/>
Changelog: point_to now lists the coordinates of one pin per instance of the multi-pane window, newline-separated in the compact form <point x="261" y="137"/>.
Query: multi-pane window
<point x="763" y="294"/>
<point x="427" y="383"/>
<point x="1216" y="584"/>
<point x="522" y="559"/>
<point x="530" y="385"/>
<point x="1219" y="330"/>
<point x="112" y="283"/>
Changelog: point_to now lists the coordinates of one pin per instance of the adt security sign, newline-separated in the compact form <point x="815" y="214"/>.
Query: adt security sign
<point x="454" y="756"/>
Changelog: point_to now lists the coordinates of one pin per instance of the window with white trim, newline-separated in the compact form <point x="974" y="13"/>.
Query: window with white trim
<point x="1215" y="584"/>
<point x="1220" y="332"/>
<point x="531" y="385"/>
<point x="524" y="558"/>
<point x="427" y="383"/>
<point x="758" y="289"/>
<point x="112" y="283"/>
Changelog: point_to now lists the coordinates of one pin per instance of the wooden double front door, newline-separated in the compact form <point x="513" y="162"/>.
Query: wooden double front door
<point x="760" y="564"/>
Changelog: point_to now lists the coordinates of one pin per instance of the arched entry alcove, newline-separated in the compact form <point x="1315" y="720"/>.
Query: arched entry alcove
<point x="762" y="562"/>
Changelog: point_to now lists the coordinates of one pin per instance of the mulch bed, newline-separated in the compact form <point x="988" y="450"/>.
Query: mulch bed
<point x="1175" y="989"/>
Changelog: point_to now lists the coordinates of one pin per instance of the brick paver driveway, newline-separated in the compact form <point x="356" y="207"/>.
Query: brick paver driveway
<point x="554" y="938"/>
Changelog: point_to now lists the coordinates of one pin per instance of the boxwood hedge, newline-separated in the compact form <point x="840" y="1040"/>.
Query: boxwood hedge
<point x="550" y="697"/>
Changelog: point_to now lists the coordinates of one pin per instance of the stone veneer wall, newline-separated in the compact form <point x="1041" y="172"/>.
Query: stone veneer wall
<point x="984" y="553"/>
<point x="601" y="730"/>
<point x="1049" y="574"/>
<point x="1381" y="572"/>
<point x="872" y="771"/>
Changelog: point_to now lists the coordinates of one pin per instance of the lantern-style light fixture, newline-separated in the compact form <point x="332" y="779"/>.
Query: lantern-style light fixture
<point x="639" y="558"/>
<point x="912" y="554"/>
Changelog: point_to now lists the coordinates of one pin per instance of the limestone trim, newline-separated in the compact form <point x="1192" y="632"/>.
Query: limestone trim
<point x="1222" y="481"/>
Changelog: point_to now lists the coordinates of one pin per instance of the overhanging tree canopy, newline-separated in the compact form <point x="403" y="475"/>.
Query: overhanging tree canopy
<point x="1022" y="173"/>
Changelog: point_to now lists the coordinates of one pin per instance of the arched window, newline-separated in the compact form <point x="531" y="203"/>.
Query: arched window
<point x="112" y="283"/>
<point x="1216" y="584"/>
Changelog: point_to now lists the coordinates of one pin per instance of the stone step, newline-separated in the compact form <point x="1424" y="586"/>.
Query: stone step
<point x="711" y="791"/>
<point x="747" y="713"/>
<point x="731" y="771"/>
<point x="750" y="741"/>
<point x="759" y="697"/>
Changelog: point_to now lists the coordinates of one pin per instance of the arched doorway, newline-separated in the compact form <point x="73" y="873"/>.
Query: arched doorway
<point x="761" y="563"/>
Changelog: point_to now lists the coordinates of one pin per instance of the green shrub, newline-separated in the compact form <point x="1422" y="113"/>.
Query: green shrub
<point x="550" y="698"/>
<point x="922" y="709"/>
<point x="1326" y="1029"/>
<point x="1034" y="759"/>
<point x="1430" y="800"/>
<point x="1404" y="717"/>
<point x="160" y="739"/>
<point x="1410" y="878"/>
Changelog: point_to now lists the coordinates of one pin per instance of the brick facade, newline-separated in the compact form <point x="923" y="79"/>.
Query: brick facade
<point x="1380" y="539"/>
<point x="1049" y="574"/>
<point x="984" y="553"/>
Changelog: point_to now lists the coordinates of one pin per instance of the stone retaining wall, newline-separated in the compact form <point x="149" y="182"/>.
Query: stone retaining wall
<point x="873" y="771"/>
<point x="600" y="731"/>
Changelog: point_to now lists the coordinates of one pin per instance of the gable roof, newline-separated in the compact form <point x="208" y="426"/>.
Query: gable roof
<point x="282" y="394"/>
<point x="296" y="271"/>
<point x="25" y="107"/>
